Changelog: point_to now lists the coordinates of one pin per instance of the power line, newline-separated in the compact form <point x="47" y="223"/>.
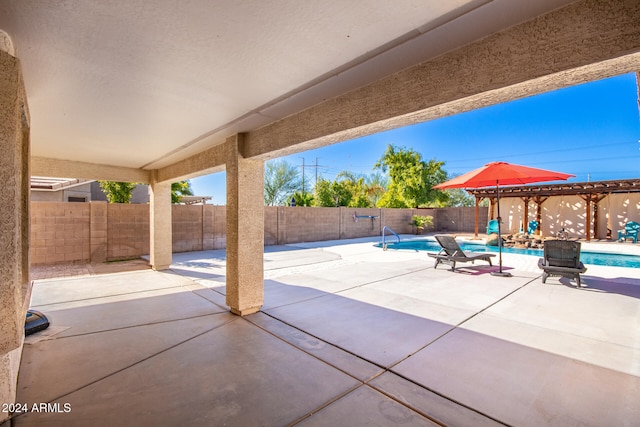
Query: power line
<point x="316" y="167"/>
<point x="546" y="152"/>
<point x="570" y="161"/>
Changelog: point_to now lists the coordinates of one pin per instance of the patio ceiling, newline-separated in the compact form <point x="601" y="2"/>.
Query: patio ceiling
<point x="140" y="84"/>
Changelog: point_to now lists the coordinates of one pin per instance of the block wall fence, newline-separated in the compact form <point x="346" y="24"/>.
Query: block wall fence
<point x="98" y="232"/>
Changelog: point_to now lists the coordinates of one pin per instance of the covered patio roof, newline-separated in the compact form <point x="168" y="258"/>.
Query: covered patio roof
<point x="119" y="89"/>
<point x="127" y="90"/>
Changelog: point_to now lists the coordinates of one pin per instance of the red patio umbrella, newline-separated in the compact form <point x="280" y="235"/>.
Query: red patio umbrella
<point x="501" y="173"/>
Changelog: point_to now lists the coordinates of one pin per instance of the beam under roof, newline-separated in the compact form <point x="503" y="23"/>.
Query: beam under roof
<point x="564" y="189"/>
<point x="581" y="42"/>
<point x="42" y="166"/>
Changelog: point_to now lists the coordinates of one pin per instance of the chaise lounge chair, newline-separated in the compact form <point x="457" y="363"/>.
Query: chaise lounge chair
<point x="561" y="258"/>
<point x="452" y="253"/>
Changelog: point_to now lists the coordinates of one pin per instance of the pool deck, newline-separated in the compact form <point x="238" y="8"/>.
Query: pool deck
<point x="348" y="335"/>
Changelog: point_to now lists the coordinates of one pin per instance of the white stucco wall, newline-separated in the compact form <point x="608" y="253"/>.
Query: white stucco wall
<point x="614" y="211"/>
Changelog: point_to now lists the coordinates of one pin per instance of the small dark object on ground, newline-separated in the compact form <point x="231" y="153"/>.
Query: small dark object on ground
<point x="36" y="321"/>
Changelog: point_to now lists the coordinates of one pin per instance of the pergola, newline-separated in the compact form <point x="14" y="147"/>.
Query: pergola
<point x="591" y="192"/>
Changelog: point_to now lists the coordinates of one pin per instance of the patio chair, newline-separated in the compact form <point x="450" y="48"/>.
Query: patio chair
<point x="630" y="232"/>
<point x="452" y="253"/>
<point x="561" y="258"/>
<point x="492" y="226"/>
<point x="533" y="226"/>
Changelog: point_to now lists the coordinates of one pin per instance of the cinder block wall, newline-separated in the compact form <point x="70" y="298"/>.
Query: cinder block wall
<point x="60" y="232"/>
<point x="187" y="228"/>
<point x="127" y="231"/>
<point x="306" y="225"/>
<point x="460" y="219"/>
<point x="98" y="232"/>
<point x="271" y="225"/>
<point x="360" y="222"/>
<point x="208" y="231"/>
<point x="398" y="220"/>
<point x="219" y="227"/>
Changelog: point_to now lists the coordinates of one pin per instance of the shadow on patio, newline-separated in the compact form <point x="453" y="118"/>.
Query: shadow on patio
<point x="378" y="340"/>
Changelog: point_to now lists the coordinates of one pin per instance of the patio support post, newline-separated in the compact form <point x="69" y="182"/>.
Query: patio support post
<point x="525" y="221"/>
<point x="595" y="218"/>
<point x="477" y="214"/>
<point x="15" y="287"/>
<point x="245" y="229"/>
<point x="591" y="200"/>
<point x="160" y="243"/>
<point x="492" y="206"/>
<point x="587" y="225"/>
<point x="539" y="201"/>
<point x="596" y="200"/>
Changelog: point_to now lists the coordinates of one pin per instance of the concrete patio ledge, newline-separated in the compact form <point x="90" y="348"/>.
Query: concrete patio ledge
<point x="348" y="335"/>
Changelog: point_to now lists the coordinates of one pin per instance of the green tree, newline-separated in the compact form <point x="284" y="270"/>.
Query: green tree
<point x="346" y="190"/>
<point x="117" y="192"/>
<point x="180" y="189"/>
<point x="459" y="197"/>
<point x="326" y="194"/>
<point x="376" y="186"/>
<point x="412" y="178"/>
<point x="358" y="192"/>
<point x="352" y="189"/>
<point x="303" y="199"/>
<point x="280" y="182"/>
<point x="391" y="199"/>
<point x="331" y="194"/>
<point x="121" y="192"/>
<point x="359" y="195"/>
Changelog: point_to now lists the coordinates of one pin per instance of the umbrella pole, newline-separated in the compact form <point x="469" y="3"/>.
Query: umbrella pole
<point x="499" y="272"/>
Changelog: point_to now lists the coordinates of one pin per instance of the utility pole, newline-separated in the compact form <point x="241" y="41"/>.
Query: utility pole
<point x="303" y="189"/>
<point x="316" y="166"/>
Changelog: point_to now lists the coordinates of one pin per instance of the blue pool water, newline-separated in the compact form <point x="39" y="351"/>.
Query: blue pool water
<point x="593" y="258"/>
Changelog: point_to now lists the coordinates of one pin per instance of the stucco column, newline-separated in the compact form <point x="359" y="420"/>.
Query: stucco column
<point x="160" y="244"/>
<point x="245" y="230"/>
<point x="15" y="288"/>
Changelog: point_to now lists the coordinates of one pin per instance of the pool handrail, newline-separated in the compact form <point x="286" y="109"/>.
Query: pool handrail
<point x="384" y="242"/>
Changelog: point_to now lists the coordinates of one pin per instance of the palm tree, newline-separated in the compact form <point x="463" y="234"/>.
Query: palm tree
<point x="280" y="182"/>
<point x="376" y="186"/>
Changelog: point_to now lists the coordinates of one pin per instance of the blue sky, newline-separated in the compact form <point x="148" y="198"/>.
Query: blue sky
<point x="590" y="130"/>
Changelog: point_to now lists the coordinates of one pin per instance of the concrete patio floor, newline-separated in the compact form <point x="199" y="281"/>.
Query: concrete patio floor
<point x="348" y="335"/>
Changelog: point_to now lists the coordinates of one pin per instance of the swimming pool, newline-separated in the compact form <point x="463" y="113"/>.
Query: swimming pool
<point x="593" y="258"/>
